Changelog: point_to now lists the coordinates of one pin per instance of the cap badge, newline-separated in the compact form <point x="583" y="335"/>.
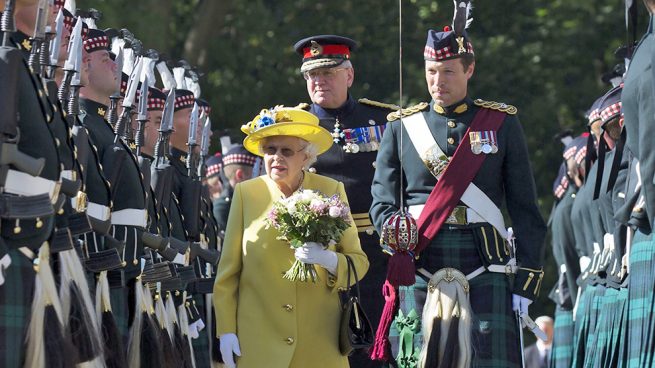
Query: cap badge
<point x="101" y="111"/>
<point x="460" y="43"/>
<point x="315" y="49"/>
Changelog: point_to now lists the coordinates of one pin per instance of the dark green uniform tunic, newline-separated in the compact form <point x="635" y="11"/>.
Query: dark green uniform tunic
<point x="505" y="177"/>
<point x="36" y="140"/>
<point x="639" y="114"/>
<point x="355" y="170"/>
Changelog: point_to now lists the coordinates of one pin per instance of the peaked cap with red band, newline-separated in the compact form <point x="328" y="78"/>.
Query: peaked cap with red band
<point x="324" y="51"/>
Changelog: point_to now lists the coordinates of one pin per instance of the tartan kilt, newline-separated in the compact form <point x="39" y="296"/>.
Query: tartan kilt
<point x="201" y="344"/>
<point x="608" y="318"/>
<point x="618" y="355"/>
<point x="495" y="335"/>
<point x="640" y="300"/>
<point x="562" y="350"/>
<point x="16" y="296"/>
<point x="582" y="326"/>
<point x="593" y="318"/>
<point x="121" y="310"/>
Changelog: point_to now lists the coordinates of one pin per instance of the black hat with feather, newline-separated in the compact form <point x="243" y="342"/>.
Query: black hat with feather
<point x="453" y="42"/>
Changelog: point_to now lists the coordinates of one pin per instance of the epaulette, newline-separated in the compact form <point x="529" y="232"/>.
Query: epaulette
<point x="303" y="105"/>
<point x="407" y="111"/>
<point x="498" y="106"/>
<point x="383" y="105"/>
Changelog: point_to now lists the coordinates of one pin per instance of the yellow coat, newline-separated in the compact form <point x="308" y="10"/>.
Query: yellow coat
<point x="279" y="323"/>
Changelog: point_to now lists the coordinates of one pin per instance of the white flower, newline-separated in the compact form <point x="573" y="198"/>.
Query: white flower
<point x="308" y="195"/>
<point x="335" y="211"/>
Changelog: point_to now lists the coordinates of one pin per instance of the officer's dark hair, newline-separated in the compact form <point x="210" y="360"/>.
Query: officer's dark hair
<point x="468" y="59"/>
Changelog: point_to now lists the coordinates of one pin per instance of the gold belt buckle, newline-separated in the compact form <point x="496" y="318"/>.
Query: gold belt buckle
<point x="81" y="202"/>
<point x="458" y="216"/>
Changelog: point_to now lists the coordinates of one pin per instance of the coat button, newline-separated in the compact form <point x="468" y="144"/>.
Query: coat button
<point x="451" y="124"/>
<point x="451" y="141"/>
<point x="288" y="307"/>
<point x="289" y="340"/>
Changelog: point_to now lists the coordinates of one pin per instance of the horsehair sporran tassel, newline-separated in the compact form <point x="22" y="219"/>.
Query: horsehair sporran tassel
<point x="447" y="297"/>
<point x="151" y="351"/>
<point x="134" y="343"/>
<point x="79" y="318"/>
<point x="114" y="349"/>
<point x="190" y="362"/>
<point x="47" y="346"/>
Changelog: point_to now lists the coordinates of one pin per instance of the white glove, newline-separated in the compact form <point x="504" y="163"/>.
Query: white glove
<point x="520" y="304"/>
<point x="5" y="262"/>
<point x="229" y="345"/>
<point x="314" y="253"/>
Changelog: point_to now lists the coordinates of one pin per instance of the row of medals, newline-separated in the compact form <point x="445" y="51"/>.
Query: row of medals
<point x="352" y="147"/>
<point x="482" y="145"/>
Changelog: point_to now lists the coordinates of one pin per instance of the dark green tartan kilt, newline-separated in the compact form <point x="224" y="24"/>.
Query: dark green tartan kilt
<point x="582" y="326"/>
<point x="494" y="328"/>
<point x="593" y="318"/>
<point x="562" y="350"/>
<point x="16" y="296"/>
<point x="640" y="300"/>
<point x="619" y="334"/>
<point x="120" y="308"/>
<point x="201" y="344"/>
<point x="607" y="342"/>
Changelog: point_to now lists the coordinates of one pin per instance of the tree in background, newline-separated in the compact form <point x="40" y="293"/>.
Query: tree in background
<point x="544" y="56"/>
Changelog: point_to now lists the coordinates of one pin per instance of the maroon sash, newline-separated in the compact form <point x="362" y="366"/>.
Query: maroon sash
<point x="458" y="175"/>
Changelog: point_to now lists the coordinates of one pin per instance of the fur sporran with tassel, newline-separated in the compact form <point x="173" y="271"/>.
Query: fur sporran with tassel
<point x="446" y="322"/>
<point x="114" y="350"/>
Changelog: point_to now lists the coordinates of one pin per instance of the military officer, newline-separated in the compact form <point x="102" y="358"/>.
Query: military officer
<point x="357" y="126"/>
<point x="470" y="243"/>
<point x="237" y="165"/>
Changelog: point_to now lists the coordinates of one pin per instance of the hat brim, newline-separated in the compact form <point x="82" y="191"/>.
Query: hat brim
<point x="320" y="63"/>
<point x="312" y="133"/>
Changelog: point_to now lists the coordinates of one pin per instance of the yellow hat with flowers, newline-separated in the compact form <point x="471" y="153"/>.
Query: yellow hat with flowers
<point x="287" y="121"/>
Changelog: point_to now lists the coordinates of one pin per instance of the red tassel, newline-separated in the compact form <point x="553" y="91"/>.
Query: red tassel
<point x="401" y="269"/>
<point x="381" y="349"/>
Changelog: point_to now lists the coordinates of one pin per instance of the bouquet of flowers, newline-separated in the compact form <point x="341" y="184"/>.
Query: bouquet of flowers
<point x="308" y="216"/>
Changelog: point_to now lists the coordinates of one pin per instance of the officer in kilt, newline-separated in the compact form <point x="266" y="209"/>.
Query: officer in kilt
<point x="357" y="128"/>
<point x="471" y="273"/>
<point x="639" y="112"/>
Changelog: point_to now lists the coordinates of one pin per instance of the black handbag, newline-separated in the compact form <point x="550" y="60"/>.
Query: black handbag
<point x="355" y="330"/>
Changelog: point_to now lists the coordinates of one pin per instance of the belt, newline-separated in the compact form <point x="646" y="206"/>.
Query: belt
<point x="508" y="269"/>
<point x="363" y="223"/>
<point x="130" y="217"/>
<point x="461" y="215"/>
<point x="27" y="185"/>
<point x="100" y="212"/>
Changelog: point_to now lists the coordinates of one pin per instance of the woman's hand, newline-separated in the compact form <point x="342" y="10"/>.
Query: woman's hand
<point x="229" y="344"/>
<point x="314" y="253"/>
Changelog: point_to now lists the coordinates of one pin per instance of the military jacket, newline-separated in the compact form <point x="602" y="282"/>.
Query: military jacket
<point x="187" y="193"/>
<point x="505" y="176"/>
<point x="639" y="115"/>
<point x="36" y="140"/>
<point x="581" y="214"/>
<point x="363" y="123"/>
<point x="564" y="250"/>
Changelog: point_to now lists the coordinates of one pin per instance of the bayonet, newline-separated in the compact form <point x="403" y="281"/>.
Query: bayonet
<point x="128" y="100"/>
<point x="38" y="36"/>
<point x="191" y="141"/>
<point x="74" y="45"/>
<point x="112" y="115"/>
<point x="165" y="129"/>
<point x="142" y="116"/>
<point x="55" y="45"/>
<point x="204" y="146"/>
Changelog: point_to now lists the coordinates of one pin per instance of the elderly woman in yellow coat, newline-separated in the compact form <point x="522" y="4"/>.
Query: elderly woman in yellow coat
<point x="262" y="319"/>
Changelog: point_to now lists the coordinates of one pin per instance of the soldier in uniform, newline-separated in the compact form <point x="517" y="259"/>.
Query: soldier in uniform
<point x="24" y="237"/>
<point x="464" y="249"/>
<point x="639" y="112"/>
<point x="357" y="126"/>
<point x="128" y="212"/>
<point x="237" y="167"/>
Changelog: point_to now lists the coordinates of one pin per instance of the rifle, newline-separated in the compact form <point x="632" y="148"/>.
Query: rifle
<point x="204" y="146"/>
<point x="191" y="143"/>
<point x="126" y="116"/>
<point x="74" y="44"/>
